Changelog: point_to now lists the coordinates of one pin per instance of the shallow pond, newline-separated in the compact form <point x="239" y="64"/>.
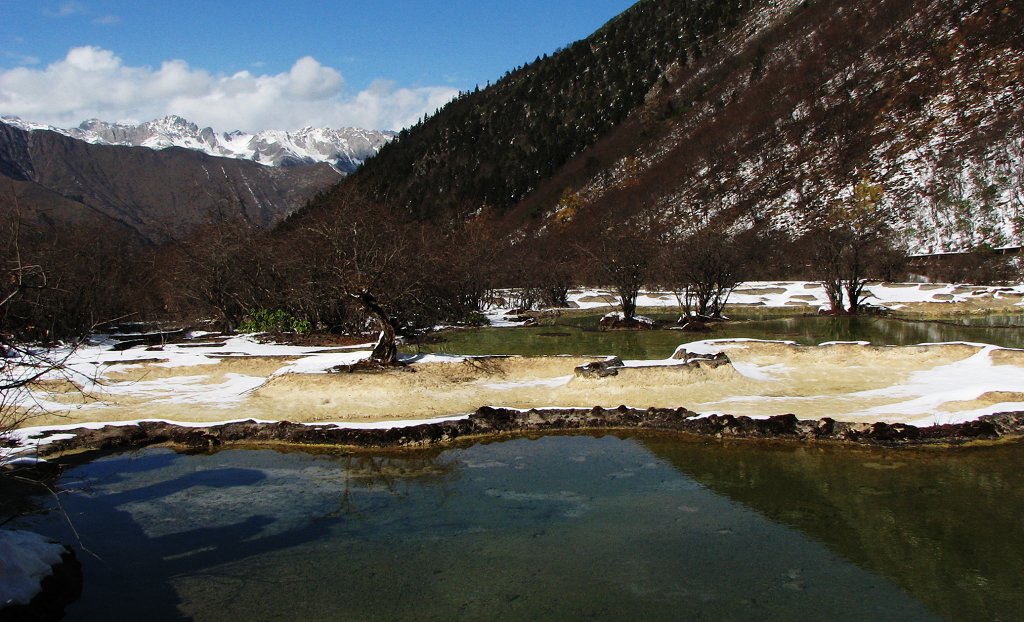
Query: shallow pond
<point x="555" y="528"/>
<point x="579" y="335"/>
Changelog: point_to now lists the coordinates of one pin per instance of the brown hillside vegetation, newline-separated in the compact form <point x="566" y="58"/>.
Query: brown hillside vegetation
<point x="779" y="121"/>
<point x="754" y="117"/>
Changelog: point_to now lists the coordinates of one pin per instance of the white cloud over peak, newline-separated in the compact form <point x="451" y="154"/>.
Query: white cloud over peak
<point x="91" y="82"/>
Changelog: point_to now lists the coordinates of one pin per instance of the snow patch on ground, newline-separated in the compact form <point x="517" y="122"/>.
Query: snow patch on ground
<point x="711" y="347"/>
<point x="26" y="558"/>
<point x="802" y="294"/>
<point x="964" y="381"/>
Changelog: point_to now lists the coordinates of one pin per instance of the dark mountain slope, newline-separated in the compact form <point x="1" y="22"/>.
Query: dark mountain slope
<point x="492" y="147"/>
<point x="157" y="195"/>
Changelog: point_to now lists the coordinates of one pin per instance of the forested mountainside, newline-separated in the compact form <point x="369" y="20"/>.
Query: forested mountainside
<point x="777" y="124"/>
<point x="156" y="195"/>
<point x="753" y="115"/>
<point x="494" y="146"/>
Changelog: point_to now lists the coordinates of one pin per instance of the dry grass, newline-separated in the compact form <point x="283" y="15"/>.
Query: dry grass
<point x="985" y="400"/>
<point x="244" y="365"/>
<point x="1008" y="357"/>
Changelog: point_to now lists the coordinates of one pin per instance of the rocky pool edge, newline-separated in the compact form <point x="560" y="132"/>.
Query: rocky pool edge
<point x="497" y="422"/>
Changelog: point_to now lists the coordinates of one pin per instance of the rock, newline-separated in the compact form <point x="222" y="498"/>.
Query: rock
<point x="600" y="369"/>
<point x="825" y="426"/>
<point x="616" y="321"/>
<point x="705" y="361"/>
<point x="711" y="361"/>
<point x="525" y="320"/>
<point x="695" y="326"/>
<point x="496" y="421"/>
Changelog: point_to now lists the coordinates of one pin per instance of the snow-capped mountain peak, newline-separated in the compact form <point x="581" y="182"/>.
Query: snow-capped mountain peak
<point x="344" y="149"/>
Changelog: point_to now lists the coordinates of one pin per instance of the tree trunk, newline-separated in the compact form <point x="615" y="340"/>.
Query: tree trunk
<point x="855" y="295"/>
<point x="628" y="298"/>
<point x="386" y="350"/>
<point x="834" y="292"/>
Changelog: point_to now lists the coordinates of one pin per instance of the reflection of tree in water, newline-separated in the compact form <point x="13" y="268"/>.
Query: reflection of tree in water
<point x="134" y="574"/>
<point x="19" y="496"/>
<point x="394" y="474"/>
<point x="944" y="527"/>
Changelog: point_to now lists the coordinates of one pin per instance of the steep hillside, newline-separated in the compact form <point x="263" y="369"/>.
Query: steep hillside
<point x="756" y="114"/>
<point x="783" y="117"/>
<point x="492" y="147"/>
<point x="156" y="194"/>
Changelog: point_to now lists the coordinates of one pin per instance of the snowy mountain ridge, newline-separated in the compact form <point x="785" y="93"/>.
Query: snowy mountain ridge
<point x="344" y="149"/>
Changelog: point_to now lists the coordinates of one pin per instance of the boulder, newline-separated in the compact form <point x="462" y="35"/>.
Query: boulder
<point x="692" y="325"/>
<point x="600" y="369"/>
<point x="617" y="321"/>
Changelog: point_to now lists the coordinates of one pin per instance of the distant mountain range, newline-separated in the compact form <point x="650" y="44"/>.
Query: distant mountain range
<point x="157" y="194"/>
<point x="344" y="149"/>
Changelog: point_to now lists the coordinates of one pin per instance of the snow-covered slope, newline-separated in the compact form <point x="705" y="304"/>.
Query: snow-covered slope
<point x="344" y="149"/>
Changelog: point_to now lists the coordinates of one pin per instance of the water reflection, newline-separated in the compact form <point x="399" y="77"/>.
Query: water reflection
<point x="553" y="528"/>
<point x="151" y="520"/>
<point x="945" y="526"/>
<point x="395" y="474"/>
<point x="578" y="335"/>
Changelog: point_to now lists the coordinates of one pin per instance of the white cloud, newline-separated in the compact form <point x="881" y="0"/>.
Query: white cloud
<point x="67" y="9"/>
<point x="20" y="59"/>
<point x="92" y="82"/>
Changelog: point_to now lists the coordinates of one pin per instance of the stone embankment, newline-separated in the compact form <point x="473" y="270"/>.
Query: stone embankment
<point x="495" y="422"/>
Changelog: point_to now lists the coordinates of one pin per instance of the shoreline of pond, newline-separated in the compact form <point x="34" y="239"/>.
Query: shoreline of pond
<point x="489" y="423"/>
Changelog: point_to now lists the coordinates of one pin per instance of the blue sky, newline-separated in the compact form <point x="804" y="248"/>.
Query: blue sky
<point x="260" y="63"/>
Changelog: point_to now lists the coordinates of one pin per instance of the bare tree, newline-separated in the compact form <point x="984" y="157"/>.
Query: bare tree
<point x="214" y="269"/>
<point x="21" y="365"/>
<point x="367" y="255"/>
<point x="543" y="269"/>
<point x="621" y="256"/>
<point x="854" y="237"/>
<point x="471" y="253"/>
<point x="701" y="270"/>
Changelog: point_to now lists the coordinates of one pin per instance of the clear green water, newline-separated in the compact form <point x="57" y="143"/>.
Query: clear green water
<point x="579" y="336"/>
<point x="556" y="528"/>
